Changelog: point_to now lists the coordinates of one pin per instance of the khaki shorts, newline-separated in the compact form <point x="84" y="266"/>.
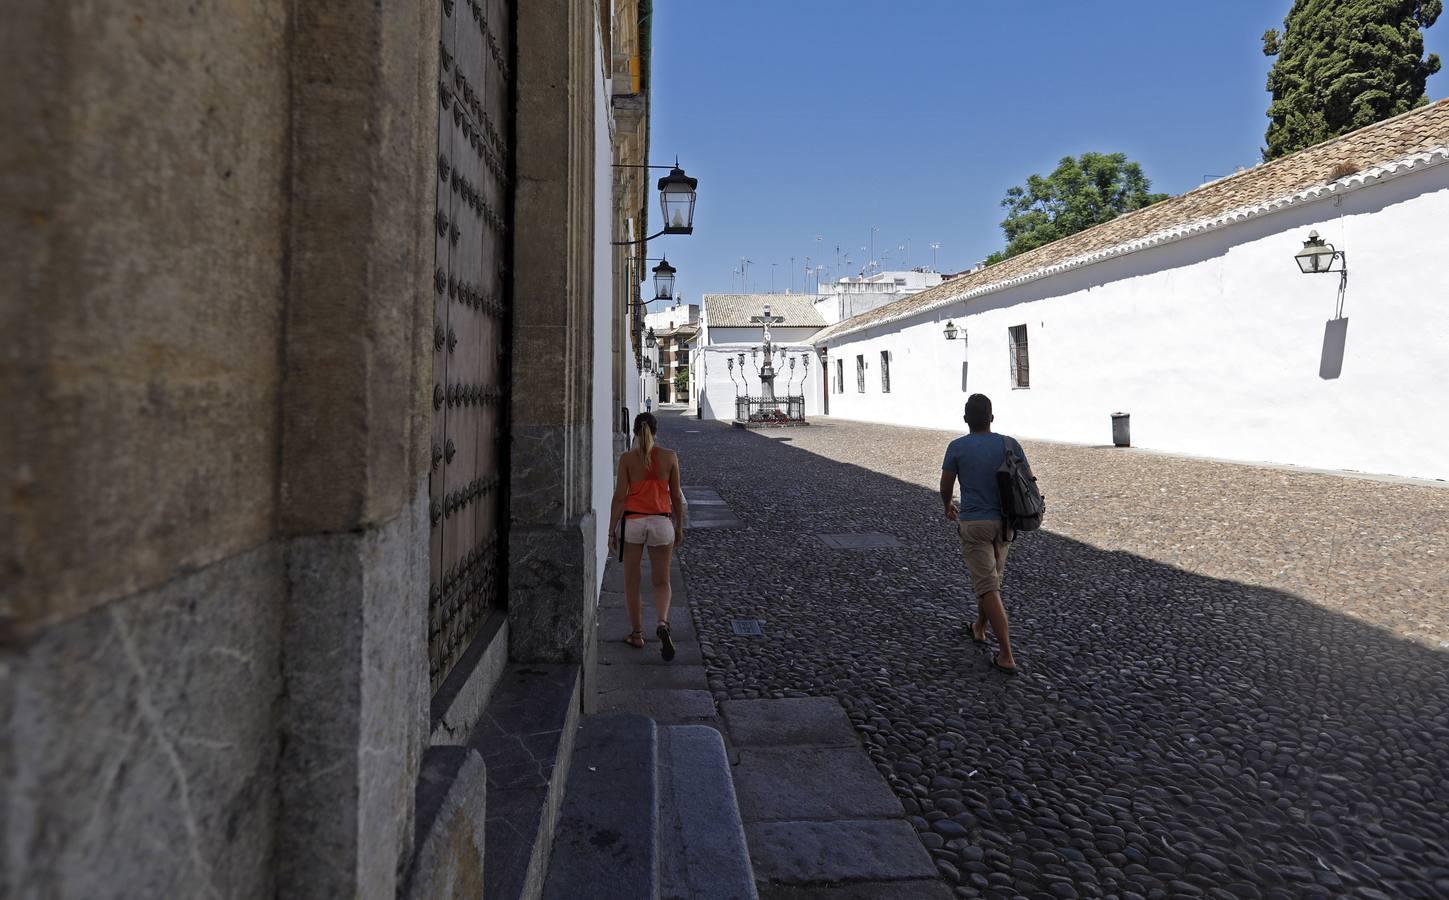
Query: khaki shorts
<point x="984" y="548"/>
<point x="656" y="531"/>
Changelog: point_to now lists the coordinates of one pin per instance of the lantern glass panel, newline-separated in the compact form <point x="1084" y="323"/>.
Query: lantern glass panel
<point x="676" y="201"/>
<point x="664" y="281"/>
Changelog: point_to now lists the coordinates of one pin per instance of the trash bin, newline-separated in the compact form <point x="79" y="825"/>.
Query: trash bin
<point x="1122" y="429"/>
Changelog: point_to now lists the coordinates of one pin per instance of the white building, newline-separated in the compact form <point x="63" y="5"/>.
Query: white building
<point x="728" y="336"/>
<point x="859" y="294"/>
<point x="1193" y="317"/>
<point x="672" y="329"/>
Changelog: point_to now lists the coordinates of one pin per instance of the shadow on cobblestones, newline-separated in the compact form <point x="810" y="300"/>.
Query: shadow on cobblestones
<point x="1170" y="734"/>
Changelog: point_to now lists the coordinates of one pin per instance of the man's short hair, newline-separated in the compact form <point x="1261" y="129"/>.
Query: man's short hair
<point x="978" y="411"/>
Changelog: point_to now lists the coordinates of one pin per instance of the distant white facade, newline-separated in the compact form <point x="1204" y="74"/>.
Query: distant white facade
<point x="726" y="357"/>
<point x="840" y="300"/>
<point x="1207" y="334"/>
<point x="672" y="329"/>
<point x="672" y="317"/>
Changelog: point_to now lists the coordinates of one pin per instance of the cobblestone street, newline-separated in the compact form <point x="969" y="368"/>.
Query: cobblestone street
<point x="1234" y="679"/>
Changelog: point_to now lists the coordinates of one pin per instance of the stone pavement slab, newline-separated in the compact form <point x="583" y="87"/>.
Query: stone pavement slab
<point x="707" y="509"/>
<point x="620" y="677"/>
<point x="663" y="705"/>
<point x="803" y="852"/>
<point x="811" y="783"/>
<point x="614" y="623"/>
<point x="865" y="540"/>
<point x="702" y="849"/>
<point x="860" y="890"/>
<point x="611" y="805"/>
<point x="818" y="721"/>
<point x="614" y="652"/>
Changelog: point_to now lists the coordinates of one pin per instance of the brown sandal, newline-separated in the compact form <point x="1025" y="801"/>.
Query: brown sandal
<point x="635" y="639"/>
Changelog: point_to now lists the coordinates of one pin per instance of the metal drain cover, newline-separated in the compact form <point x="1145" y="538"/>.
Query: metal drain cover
<point x="747" y="627"/>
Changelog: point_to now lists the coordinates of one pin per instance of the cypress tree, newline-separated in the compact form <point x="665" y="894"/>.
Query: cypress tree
<point x="1344" y="64"/>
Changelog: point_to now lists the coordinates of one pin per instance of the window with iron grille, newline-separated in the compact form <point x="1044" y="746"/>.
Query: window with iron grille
<point x="1020" y="366"/>
<point x="860" y="374"/>
<point x="885" y="371"/>
<point x="840" y="376"/>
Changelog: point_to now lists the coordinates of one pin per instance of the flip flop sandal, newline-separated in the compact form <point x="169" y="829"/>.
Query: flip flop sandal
<point x="977" y="640"/>
<point x="635" y="639"/>
<point x="996" y="664"/>
<point x="666" y="643"/>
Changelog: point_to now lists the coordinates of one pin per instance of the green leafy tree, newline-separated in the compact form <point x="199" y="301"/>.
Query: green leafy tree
<point x="681" y="381"/>
<point x="1081" y="192"/>
<point x="1344" y="64"/>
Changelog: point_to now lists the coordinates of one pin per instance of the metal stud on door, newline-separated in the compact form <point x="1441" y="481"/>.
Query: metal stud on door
<point x="470" y="309"/>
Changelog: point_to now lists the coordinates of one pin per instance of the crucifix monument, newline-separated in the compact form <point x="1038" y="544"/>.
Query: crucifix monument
<point x="767" y="374"/>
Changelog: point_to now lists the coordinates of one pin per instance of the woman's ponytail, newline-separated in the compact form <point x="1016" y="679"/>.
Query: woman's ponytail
<point x="645" y="426"/>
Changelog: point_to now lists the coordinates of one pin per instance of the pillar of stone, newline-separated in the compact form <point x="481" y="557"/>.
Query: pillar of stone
<point x="552" y="566"/>
<point x="355" y="433"/>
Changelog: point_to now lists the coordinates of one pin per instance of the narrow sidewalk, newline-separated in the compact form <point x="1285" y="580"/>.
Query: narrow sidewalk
<point x="821" y="822"/>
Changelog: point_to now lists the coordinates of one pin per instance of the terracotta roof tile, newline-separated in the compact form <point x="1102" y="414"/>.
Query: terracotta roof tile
<point x="735" y="310"/>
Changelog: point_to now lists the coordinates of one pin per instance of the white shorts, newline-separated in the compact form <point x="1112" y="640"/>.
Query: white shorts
<point x="656" y="531"/>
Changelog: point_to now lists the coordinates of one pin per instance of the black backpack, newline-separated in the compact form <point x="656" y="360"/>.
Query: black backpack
<point x="1022" y="505"/>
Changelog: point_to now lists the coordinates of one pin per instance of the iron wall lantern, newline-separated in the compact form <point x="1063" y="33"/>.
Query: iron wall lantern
<point x="664" y="280"/>
<point x="950" y="330"/>
<point x="650" y="340"/>
<point x="676" y="200"/>
<point x="1317" y="256"/>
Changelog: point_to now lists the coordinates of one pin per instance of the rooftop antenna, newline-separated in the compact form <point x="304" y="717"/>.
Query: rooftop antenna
<point x="935" y="246"/>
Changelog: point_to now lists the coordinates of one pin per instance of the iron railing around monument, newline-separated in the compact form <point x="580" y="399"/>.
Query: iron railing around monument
<point x="781" y="410"/>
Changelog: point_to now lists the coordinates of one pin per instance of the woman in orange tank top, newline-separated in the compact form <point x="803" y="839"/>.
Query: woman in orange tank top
<point x="648" y="511"/>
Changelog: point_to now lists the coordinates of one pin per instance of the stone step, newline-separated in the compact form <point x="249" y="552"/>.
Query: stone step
<point x="526" y="741"/>
<point x="606" y="846"/>
<point x="702" y="850"/>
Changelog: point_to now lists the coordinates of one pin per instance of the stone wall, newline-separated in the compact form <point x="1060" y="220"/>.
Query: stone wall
<point x="141" y="589"/>
<point x="214" y="328"/>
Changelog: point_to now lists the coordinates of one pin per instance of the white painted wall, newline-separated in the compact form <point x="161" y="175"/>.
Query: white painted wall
<point x="603" y="399"/>
<point x="756" y="336"/>
<point x="709" y="370"/>
<point x="1213" y="343"/>
<point x="672" y="316"/>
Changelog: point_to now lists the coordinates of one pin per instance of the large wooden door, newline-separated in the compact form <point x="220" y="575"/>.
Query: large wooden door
<point x="470" y="336"/>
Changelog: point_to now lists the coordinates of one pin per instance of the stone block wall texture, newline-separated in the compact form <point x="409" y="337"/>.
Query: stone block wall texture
<point x="138" y="744"/>
<point x="215" y="316"/>
<point x="143" y="154"/>
<point x="356" y="421"/>
<point x="355" y="721"/>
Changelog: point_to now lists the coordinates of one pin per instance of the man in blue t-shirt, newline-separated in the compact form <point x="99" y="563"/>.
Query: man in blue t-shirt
<point x="972" y="461"/>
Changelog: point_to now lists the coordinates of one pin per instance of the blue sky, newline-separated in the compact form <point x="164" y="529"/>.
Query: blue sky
<point x="827" y="117"/>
